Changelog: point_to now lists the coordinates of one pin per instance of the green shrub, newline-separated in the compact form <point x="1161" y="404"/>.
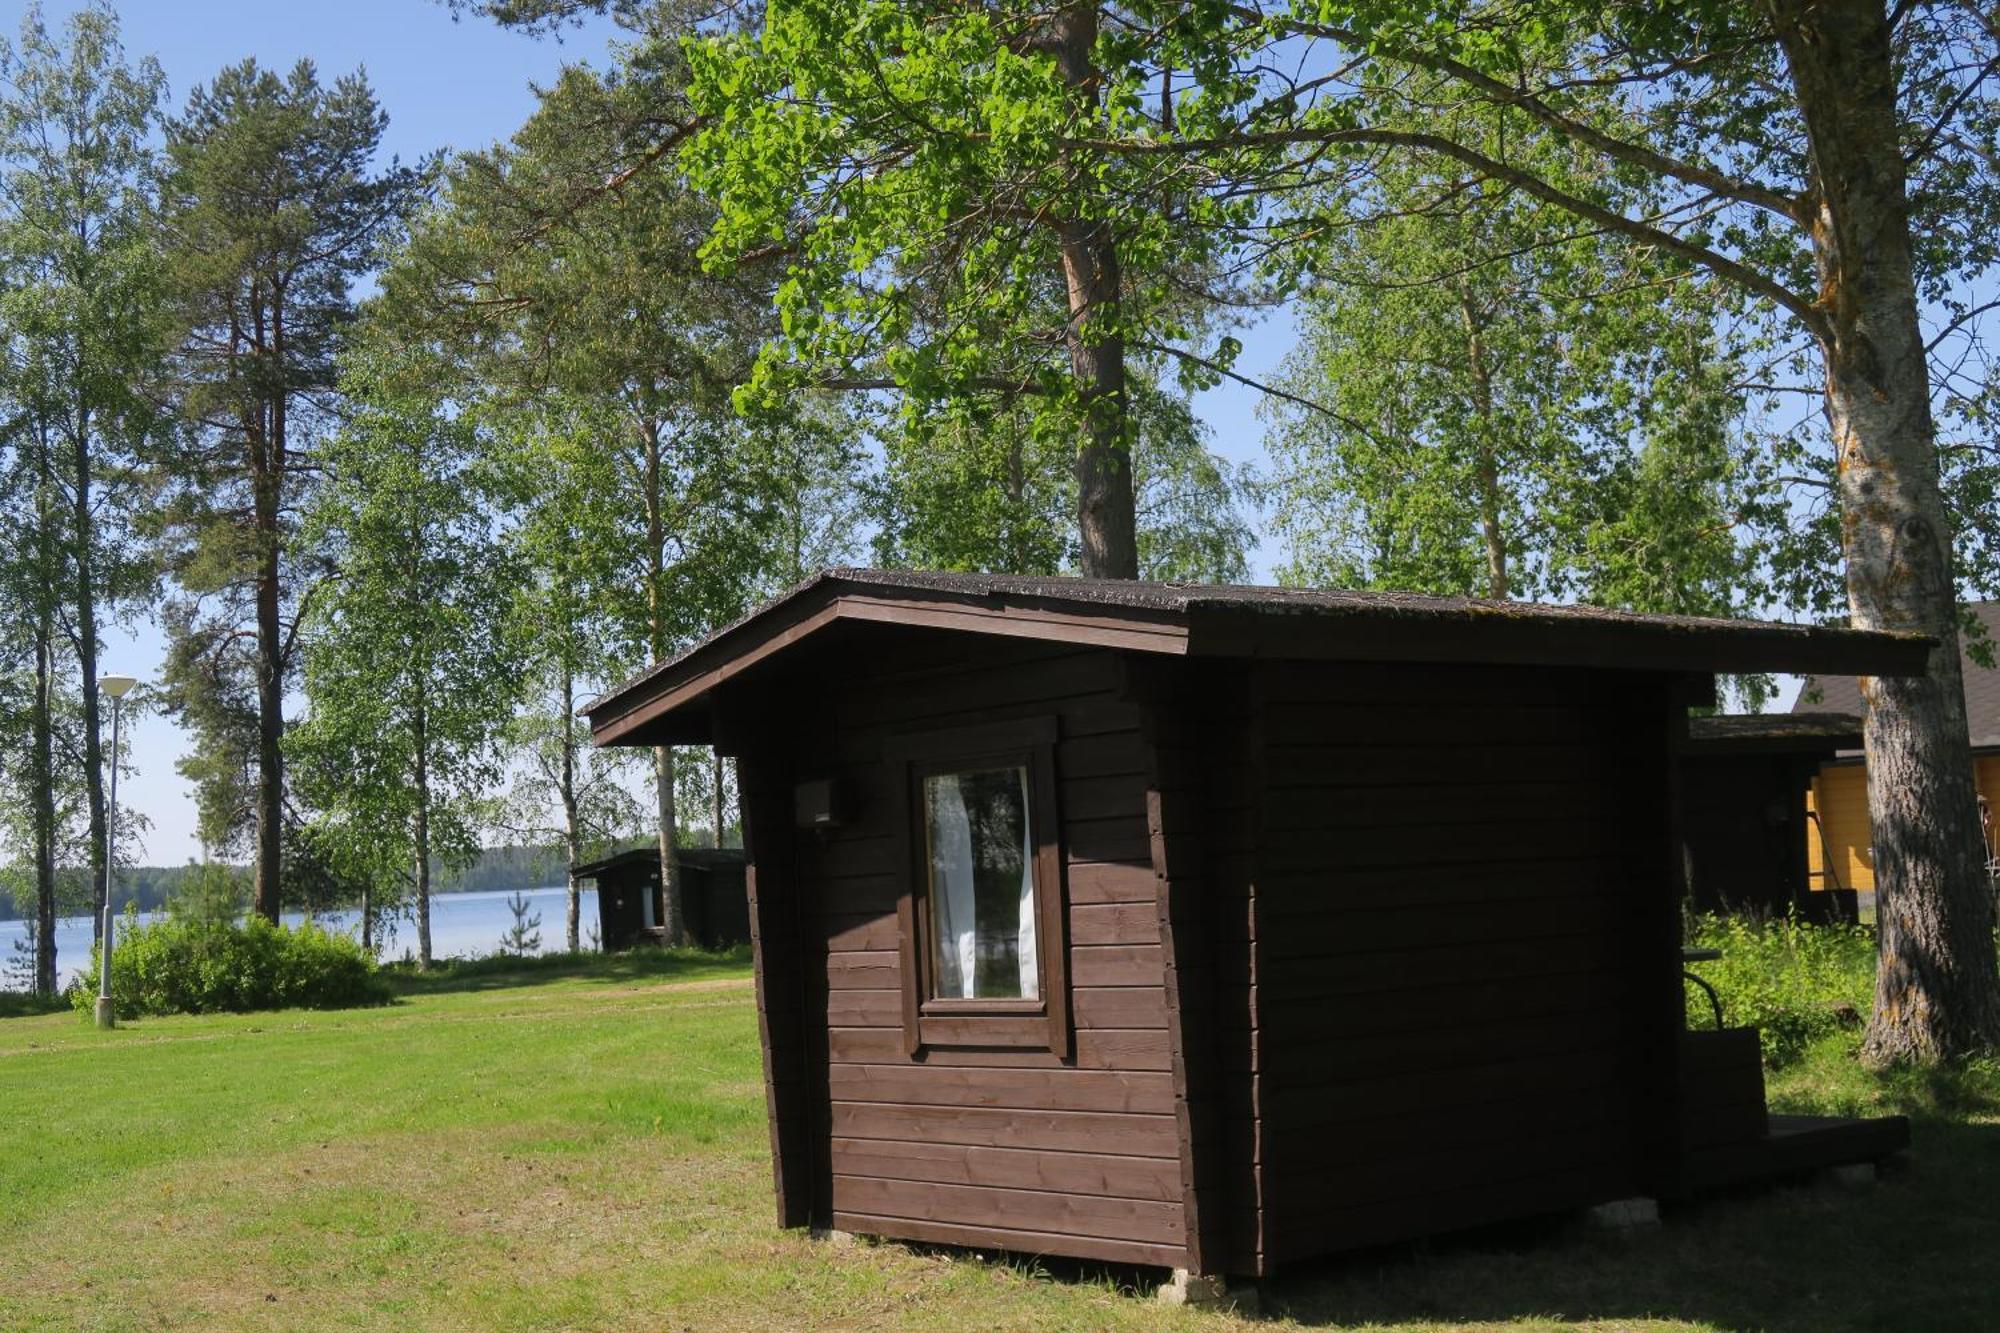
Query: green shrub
<point x="1793" y="981"/>
<point x="189" y="966"/>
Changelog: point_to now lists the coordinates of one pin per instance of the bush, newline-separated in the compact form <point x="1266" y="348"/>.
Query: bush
<point x="188" y="966"/>
<point x="1793" y="981"/>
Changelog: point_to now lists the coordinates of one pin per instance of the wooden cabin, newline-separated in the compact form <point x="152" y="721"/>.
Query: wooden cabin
<point x="631" y="903"/>
<point x="1840" y="853"/>
<point x="1746" y="782"/>
<point x="1220" y="928"/>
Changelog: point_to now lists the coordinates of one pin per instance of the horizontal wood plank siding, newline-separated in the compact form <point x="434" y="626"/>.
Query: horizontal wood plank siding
<point x="1013" y="1148"/>
<point x="1439" y="997"/>
<point x="1839" y="798"/>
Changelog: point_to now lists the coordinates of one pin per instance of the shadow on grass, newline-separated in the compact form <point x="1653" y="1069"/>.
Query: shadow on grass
<point x="1914" y="1252"/>
<point x="20" y="1004"/>
<point x="502" y="972"/>
<point x="1911" y="1253"/>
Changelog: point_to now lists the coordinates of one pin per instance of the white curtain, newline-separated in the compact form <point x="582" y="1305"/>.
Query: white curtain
<point x="1030" y="978"/>
<point x="952" y="888"/>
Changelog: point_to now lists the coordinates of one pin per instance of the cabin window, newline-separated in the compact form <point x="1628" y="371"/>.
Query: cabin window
<point x="980" y="884"/>
<point x="981" y="909"/>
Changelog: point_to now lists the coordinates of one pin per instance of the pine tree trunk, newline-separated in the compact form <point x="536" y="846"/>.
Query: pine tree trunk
<point x="270" y="808"/>
<point x="1937" y="989"/>
<point x="1107" y="507"/>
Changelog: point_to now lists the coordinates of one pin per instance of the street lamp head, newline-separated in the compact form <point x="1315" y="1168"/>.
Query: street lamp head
<point x="115" y="687"/>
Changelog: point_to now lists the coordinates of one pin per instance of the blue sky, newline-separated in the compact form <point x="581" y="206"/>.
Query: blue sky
<point x="444" y="84"/>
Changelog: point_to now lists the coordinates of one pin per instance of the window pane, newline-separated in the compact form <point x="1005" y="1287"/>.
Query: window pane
<point x="981" y="862"/>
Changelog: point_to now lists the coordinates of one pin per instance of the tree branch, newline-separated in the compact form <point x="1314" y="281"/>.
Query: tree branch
<point x="1721" y="265"/>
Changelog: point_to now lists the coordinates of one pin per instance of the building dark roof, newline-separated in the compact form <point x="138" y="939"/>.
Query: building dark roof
<point x="1842" y="693"/>
<point x="1233" y="621"/>
<point x="650" y="856"/>
<point x="1770" y="733"/>
<point x="617" y="861"/>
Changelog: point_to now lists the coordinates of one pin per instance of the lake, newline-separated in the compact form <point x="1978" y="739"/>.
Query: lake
<point x="463" y="925"/>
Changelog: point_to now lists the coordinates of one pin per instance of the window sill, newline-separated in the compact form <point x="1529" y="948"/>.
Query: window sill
<point x="958" y="1028"/>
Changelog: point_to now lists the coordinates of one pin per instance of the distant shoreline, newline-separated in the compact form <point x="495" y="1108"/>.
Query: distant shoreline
<point x="8" y="914"/>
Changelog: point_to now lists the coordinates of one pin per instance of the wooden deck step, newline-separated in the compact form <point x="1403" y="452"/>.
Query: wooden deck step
<point x="1795" y="1145"/>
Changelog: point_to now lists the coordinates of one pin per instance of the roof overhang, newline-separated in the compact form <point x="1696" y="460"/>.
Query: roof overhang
<point x="1820" y="735"/>
<point x="669" y="703"/>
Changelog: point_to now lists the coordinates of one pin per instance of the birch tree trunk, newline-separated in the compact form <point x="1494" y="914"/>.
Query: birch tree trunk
<point x="42" y="819"/>
<point x="83" y="538"/>
<point x="1937" y="989"/>
<point x="715" y="792"/>
<point x="1487" y="467"/>
<point x="1107" y="519"/>
<point x="672" y="919"/>
<point x="572" y="832"/>
<point x="423" y="834"/>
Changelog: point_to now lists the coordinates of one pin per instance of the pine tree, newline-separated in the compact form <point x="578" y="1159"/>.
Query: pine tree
<point x="273" y="210"/>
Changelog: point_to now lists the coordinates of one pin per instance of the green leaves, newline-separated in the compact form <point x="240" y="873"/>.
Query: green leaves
<point x="931" y="175"/>
<point x="410" y="674"/>
<point x="1493" y="403"/>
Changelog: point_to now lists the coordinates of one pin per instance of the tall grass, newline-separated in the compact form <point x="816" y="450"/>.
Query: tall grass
<point x="1794" y="981"/>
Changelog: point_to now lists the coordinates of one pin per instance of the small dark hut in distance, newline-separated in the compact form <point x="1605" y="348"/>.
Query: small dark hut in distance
<point x="1749" y="835"/>
<point x="1218" y="928"/>
<point x="631" y="903"/>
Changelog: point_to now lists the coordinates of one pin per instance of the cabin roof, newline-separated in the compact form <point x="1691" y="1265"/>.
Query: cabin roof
<point x="1842" y="693"/>
<point x="650" y="856"/>
<point x="1774" y="733"/>
<point x="1207" y="620"/>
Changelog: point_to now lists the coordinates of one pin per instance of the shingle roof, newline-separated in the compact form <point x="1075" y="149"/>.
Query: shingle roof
<point x="1776" y="731"/>
<point x="1213" y="620"/>
<point x="1842" y="694"/>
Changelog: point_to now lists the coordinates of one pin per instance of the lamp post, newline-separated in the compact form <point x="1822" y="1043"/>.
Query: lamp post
<point x="113" y="688"/>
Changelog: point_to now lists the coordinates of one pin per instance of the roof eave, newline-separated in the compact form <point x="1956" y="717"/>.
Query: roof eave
<point x="1526" y="640"/>
<point x="665" y="704"/>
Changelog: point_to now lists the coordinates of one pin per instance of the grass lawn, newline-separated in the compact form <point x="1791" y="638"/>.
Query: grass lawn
<point x="583" y="1146"/>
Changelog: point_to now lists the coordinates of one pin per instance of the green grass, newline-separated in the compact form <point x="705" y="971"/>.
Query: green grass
<point x="1796" y="983"/>
<point x="580" y="1143"/>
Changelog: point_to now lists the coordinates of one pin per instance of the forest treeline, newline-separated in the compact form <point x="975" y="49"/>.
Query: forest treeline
<point x="494" y="869"/>
<point x="1677" y="308"/>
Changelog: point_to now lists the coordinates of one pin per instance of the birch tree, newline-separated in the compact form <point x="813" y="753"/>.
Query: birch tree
<point x="85" y="312"/>
<point x="564" y="542"/>
<point x="409" y="675"/>
<point x="581" y="308"/>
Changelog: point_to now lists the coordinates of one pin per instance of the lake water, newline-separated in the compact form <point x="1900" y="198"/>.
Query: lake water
<point x="463" y="925"/>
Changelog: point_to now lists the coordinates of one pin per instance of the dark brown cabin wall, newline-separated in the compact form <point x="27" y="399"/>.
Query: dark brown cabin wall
<point x="1009" y="1148"/>
<point x="781" y="963"/>
<point x="1195" y="729"/>
<point x="1444" y="948"/>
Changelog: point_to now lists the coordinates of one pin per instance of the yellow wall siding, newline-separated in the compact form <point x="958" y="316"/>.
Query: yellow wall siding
<point x="1839" y="796"/>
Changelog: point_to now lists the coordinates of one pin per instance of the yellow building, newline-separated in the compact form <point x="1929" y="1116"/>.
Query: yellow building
<point x="1837" y="833"/>
<point x="1837" y="821"/>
